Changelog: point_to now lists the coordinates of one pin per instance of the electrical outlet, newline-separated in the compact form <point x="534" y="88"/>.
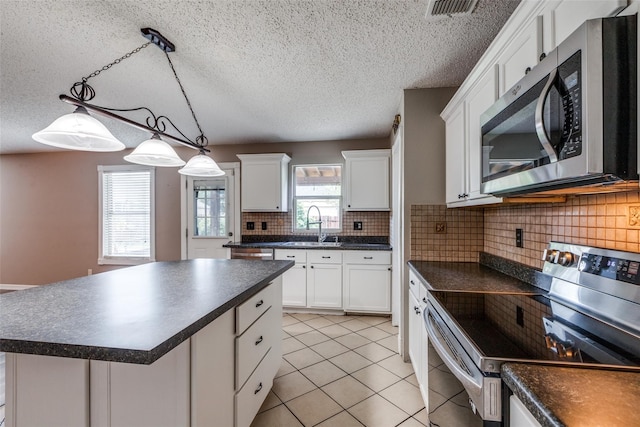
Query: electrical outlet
<point x="519" y="316"/>
<point x="251" y="225"/>
<point x="357" y="225"/>
<point x="264" y="225"/>
<point x="441" y="227"/>
<point x="519" y="241"/>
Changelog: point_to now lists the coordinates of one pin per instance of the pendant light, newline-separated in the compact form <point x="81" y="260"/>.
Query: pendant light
<point x="154" y="152"/>
<point x="80" y="131"/>
<point x="202" y="166"/>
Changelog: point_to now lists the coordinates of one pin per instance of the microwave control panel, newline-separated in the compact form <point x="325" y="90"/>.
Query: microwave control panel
<point x="569" y="86"/>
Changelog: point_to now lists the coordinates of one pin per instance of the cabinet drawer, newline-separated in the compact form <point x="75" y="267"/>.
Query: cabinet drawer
<point x="250" y="310"/>
<point x="324" y="257"/>
<point x="253" y="344"/>
<point x="252" y="394"/>
<point x="296" y="255"/>
<point x="367" y="257"/>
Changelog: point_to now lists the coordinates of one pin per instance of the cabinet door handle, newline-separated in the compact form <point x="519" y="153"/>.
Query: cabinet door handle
<point x="277" y="207"/>
<point x="304" y="266"/>
<point x="258" y="389"/>
<point x="389" y="268"/>
<point x="259" y="303"/>
<point x="312" y="266"/>
<point x="259" y="340"/>
<point x="412" y="282"/>
<point x="368" y="257"/>
<point x="424" y="300"/>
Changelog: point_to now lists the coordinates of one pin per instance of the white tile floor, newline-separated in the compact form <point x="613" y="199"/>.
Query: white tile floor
<point x="342" y="371"/>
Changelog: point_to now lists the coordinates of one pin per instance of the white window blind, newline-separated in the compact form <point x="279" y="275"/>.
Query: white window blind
<point x="127" y="214"/>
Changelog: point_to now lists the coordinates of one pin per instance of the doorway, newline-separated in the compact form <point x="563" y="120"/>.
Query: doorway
<point x="210" y="213"/>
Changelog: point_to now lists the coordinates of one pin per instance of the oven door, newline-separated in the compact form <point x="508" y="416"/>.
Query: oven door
<point x="447" y="359"/>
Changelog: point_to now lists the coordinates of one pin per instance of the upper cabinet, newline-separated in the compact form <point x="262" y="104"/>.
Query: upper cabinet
<point x="263" y="184"/>
<point x="520" y="55"/>
<point x="464" y="145"/>
<point x="366" y="180"/>
<point x="535" y="28"/>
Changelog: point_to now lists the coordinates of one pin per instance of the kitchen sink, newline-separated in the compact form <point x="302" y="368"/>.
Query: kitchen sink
<point x="307" y="244"/>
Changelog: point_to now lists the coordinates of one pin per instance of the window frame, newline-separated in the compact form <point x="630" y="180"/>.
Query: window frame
<point x="294" y="198"/>
<point x="126" y="260"/>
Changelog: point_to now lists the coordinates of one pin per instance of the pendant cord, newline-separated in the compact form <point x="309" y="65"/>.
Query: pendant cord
<point x="201" y="139"/>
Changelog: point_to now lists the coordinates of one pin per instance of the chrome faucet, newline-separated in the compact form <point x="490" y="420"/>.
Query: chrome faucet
<point x="321" y="236"/>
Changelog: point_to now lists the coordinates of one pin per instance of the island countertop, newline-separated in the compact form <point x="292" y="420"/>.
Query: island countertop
<point x="132" y="315"/>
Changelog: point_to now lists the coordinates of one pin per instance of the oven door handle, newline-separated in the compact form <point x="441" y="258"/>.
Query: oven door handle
<point x="540" y="128"/>
<point x="472" y="383"/>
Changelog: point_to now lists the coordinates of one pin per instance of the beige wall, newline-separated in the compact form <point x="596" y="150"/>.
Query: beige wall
<point x="49" y="212"/>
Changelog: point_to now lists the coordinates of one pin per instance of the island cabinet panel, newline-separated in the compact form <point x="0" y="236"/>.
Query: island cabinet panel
<point x="50" y="388"/>
<point x="126" y="394"/>
<point x="212" y="379"/>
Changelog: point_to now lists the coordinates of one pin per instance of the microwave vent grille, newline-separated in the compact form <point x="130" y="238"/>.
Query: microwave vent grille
<point x="448" y="8"/>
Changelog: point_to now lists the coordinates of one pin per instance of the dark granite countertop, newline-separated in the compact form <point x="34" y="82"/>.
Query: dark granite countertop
<point x="350" y="246"/>
<point x="132" y="315"/>
<point x="467" y="276"/>
<point x="576" y="397"/>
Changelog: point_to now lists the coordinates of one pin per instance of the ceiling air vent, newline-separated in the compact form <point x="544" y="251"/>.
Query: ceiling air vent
<point x="449" y="8"/>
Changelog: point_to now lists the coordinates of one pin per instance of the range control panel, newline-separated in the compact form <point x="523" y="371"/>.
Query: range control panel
<point x="611" y="268"/>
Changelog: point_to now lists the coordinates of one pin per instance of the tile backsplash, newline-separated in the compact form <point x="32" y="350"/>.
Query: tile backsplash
<point x="281" y="223"/>
<point x="609" y="221"/>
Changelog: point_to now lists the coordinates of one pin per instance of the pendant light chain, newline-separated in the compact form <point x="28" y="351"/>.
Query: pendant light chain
<point x="117" y="61"/>
<point x="201" y="139"/>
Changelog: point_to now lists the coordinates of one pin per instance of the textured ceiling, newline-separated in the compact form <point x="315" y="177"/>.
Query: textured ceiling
<point x="255" y="71"/>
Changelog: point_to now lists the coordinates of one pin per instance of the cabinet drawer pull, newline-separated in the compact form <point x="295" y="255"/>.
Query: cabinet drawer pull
<point x="368" y="257"/>
<point x="259" y="340"/>
<point x="291" y="256"/>
<point x="259" y="303"/>
<point x="326" y="257"/>
<point x="258" y="389"/>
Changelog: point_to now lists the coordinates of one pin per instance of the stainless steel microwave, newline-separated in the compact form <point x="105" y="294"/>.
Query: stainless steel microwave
<point x="571" y="122"/>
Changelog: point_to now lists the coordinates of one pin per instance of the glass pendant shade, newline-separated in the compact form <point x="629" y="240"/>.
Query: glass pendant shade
<point x="201" y="165"/>
<point x="154" y="152"/>
<point x="78" y="131"/>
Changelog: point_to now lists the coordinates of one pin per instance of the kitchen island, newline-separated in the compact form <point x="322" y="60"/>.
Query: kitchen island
<point x="167" y="343"/>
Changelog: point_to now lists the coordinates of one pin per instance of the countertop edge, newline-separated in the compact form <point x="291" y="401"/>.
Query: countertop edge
<point x="282" y="245"/>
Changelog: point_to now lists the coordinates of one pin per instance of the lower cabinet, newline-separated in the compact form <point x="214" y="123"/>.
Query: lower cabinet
<point x="418" y="339"/>
<point x="356" y="281"/>
<point x="324" y="279"/>
<point x="519" y="415"/>
<point x="367" y="281"/>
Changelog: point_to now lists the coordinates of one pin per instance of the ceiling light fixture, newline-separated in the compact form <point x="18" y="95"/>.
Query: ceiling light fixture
<point x="80" y="131"/>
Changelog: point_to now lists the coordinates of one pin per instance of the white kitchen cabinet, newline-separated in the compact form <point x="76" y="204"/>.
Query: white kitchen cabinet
<point x="367" y="281"/>
<point x="418" y="339"/>
<point x="324" y="279"/>
<point x="264" y="182"/>
<point x="366" y="180"/>
<point x="561" y="18"/>
<point x="455" y="157"/>
<point x="521" y="54"/>
<point x="464" y="145"/>
<point x="519" y="415"/>
<point x="294" y="280"/>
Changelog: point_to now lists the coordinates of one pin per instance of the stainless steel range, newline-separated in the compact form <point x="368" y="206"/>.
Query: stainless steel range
<point x="590" y="317"/>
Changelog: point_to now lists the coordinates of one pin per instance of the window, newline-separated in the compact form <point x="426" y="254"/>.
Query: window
<point x="321" y="186"/>
<point x="127" y="214"/>
<point x="210" y="208"/>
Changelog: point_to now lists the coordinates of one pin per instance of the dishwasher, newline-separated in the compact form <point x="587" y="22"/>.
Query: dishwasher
<point x="257" y="254"/>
